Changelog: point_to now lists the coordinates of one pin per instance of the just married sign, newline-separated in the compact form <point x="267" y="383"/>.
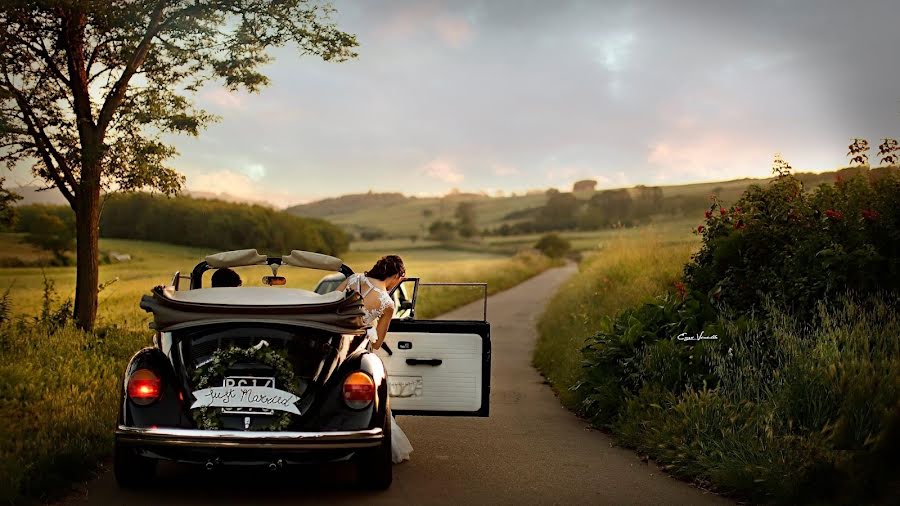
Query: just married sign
<point x="246" y="397"/>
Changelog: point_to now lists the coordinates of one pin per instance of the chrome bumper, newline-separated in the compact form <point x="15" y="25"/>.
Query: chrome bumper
<point x="248" y="439"/>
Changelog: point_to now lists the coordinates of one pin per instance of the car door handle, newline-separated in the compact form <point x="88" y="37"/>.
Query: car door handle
<point x="386" y="348"/>
<point x="424" y="361"/>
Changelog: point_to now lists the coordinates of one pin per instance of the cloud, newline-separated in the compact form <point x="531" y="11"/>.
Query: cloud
<point x="614" y="50"/>
<point x="254" y="171"/>
<point x="443" y="170"/>
<point x="713" y="156"/>
<point x="239" y="186"/>
<point x="453" y="31"/>
<point x="505" y="170"/>
<point x="224" y="98"/>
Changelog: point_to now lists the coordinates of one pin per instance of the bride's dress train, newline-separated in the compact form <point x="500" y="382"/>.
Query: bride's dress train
<point x="400" y="446"/>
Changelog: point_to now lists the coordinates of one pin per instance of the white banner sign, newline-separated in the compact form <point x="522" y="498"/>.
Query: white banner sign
<point x="246" y="397"/>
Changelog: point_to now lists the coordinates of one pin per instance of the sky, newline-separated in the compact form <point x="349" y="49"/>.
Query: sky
<point x="515" y="95"/>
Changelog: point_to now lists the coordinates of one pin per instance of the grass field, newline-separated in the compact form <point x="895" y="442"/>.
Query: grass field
<point x="155" y="263"/>
<point x="668" y="232"/>
<point x="628" y="269"/>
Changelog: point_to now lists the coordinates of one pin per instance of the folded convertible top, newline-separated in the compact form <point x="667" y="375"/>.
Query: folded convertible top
<point x="336" y="312"/>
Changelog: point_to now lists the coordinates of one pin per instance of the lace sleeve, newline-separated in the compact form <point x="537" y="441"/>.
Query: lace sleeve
<point x="386" y="302"/>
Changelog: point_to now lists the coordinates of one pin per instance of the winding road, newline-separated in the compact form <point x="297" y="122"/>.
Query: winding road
<point x="530" y="451"/>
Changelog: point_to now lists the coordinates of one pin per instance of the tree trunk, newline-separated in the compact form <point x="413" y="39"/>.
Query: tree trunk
<point x="87" y="226"/>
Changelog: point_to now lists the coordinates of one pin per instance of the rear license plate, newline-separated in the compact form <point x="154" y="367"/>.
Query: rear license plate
<point x="248" y="381"/>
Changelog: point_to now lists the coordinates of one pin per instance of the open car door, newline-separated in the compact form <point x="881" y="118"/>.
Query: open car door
<point x="437" y="367"/>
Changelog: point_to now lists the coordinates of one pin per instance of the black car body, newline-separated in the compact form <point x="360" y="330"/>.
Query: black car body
<point x="342" y="394"/>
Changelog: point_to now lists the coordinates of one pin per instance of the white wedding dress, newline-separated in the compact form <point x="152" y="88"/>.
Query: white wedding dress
<point x="400" y="445"/>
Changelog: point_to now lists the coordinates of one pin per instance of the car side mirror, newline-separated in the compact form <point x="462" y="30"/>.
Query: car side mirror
<point x="274" y="280"/>
<point x="406" y="305"/>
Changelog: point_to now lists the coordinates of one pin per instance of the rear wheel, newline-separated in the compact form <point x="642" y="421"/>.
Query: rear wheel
<point x="130" y="469"/>
<point x="374" y="467"/>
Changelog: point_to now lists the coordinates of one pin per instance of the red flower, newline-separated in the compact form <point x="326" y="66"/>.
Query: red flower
<point x="739" y="225"/>
<point x="737" y="210"/>
<point x="870" y="215"/>
<point x="682" y="290"/>
<point x="700" y="229"/>
<point x="708" y="214"/>
<point x="722" y="211"/>
<point x="834" y="215"/>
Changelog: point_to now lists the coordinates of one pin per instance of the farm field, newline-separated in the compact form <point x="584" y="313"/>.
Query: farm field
<point x="155" y="263"/>
<point x="672" y="231"/>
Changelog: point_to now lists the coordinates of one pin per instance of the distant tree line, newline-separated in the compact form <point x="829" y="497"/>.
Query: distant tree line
<point x="604" y="209"/>
<point x="186" y="221"/>
<point x="217" y="224"/>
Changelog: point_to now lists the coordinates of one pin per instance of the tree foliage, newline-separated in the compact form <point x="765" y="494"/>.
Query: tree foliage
<point x="217" y="224"/>
<point x="88" y="89"/>
<point x="48" y="227"/>
<point x="466" y="219"/>
<point x="7" y="203"/>
<point x="553" y="246"/>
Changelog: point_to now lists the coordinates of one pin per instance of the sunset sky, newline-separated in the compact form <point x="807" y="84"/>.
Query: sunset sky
<point x="515" y="95"/>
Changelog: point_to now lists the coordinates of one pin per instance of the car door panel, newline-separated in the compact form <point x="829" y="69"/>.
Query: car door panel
<point x="438" y="367"/>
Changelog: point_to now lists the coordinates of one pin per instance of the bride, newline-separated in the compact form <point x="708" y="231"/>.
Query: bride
<point x="374" y="286"/>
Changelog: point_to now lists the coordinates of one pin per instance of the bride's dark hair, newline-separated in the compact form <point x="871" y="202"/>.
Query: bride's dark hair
<point x="386" y="267"/>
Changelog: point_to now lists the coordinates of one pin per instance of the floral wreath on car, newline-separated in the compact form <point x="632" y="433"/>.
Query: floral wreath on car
<point x="212" y="374"/>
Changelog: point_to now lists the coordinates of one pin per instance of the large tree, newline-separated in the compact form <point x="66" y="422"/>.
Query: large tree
<point x="87" y="88"/>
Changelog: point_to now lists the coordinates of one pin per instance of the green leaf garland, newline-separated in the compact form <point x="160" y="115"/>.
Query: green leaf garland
<point x="212" y="374"/>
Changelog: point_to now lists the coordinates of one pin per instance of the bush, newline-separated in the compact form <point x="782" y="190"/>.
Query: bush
<point x="799" y="247"/>
<point x="553" y="246"/>
<point x="641" y="346"/>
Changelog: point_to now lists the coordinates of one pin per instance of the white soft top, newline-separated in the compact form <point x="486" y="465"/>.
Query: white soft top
<point x="254" y="296"/>
<point x="297" y="258"/>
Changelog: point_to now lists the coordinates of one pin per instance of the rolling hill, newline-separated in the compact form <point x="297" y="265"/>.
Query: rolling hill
<point x="397" y="215"/>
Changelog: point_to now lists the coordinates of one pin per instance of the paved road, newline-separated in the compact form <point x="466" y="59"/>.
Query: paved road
<point x="530" y="450"/>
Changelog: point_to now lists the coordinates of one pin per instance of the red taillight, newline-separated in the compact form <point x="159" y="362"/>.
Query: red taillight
<point x="143" y="387"/>
<point x="359" y="390"/>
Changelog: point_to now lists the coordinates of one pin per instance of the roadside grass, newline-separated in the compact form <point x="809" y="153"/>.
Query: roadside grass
<point x="626" y="270"/>
<point x="60" y="392"/>
<point x="59" y="387"/>
<point x="804" y="412"/>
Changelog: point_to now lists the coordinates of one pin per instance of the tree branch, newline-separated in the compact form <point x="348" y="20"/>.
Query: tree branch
<point x="117" y="94"/>
<point x="72" y="26"/>
<point x="44" y="146"/>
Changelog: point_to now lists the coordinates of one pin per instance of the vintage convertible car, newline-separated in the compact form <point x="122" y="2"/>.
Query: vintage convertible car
<point x="259" y="375"/>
